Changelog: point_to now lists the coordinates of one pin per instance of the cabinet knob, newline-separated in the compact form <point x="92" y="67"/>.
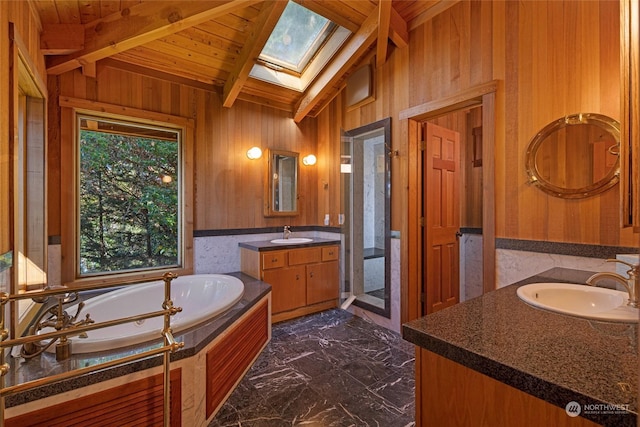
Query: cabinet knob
<point x="330" y="252"/>
<point x="274" y="259"/>
<point x="297" y="277"/>
<point x="311" y="274"/>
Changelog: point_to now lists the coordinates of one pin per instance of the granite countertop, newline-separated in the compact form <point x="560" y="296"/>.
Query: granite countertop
<point x="195" y="339"/>
<point x="554" y="357"/>
<point x="266" y="245"/>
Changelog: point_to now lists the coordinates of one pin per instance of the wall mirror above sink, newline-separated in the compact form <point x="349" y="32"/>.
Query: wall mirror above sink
<point x="281" y="183"/>
<point x="576" y="156"/>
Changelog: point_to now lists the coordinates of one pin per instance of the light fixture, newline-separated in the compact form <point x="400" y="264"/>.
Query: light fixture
<point x="254" y="153"/>
<point x="309" y="160"/>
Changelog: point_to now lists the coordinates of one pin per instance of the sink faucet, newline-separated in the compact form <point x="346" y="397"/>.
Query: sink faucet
<point x="630" y="283"/>
<point x="286" y="232"/>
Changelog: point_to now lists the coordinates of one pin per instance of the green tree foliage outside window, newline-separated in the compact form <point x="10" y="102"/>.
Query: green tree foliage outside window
<point x="128" y="202"/>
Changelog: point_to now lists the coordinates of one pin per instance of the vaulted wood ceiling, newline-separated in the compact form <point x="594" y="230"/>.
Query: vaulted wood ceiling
<point x="213" y="44"/>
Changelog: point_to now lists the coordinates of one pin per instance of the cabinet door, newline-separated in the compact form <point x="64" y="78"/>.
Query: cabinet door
<point x="287" y="288"/>
<point x="322" y="282"/>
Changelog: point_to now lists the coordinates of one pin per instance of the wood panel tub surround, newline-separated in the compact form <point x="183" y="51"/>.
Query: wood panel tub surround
<point x="195" y="398"/>
<point x="228" y="361"/>
<point x="138" y="403"/>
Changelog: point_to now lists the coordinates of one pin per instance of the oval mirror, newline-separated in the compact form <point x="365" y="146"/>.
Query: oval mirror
<point x="281" y="184"/>
<point x="575" y="156"/>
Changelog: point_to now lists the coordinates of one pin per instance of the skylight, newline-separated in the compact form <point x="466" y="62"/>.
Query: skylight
<point x="296" y="38"/>
<point x="300" y="45"/>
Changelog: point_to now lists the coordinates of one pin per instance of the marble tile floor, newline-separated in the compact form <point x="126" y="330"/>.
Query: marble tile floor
<point x="330" y="369"/>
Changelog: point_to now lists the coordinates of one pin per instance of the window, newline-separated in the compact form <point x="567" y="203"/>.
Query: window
<point x="300" y="45"/>
<point x="296" y="38"/>
<point x="129" y="196"/>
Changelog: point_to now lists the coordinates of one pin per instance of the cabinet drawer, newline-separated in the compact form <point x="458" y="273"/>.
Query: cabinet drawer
<point x="275" y="259"/>
<point x="330" y="253"/>
<point x="304" y="256"/>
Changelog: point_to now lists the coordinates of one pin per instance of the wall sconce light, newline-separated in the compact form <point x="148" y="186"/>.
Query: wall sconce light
<point x="309" y="160"/>
<point x="254" y="153"/>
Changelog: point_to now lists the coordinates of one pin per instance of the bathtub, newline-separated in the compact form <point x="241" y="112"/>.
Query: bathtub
<point x="201" y="297"/>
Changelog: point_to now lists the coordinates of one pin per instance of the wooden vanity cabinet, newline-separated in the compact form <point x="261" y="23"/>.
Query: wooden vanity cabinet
<point x="288" y="288"/>
<point x="322" y="278"/>
<point x="303" y="280"/>
<point x="448" y="393"/>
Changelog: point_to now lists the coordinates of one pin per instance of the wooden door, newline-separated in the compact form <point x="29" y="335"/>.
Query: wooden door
<point x="441" y="276"/>
<point x="322" y="282"/>
<point x="288" y="289"/>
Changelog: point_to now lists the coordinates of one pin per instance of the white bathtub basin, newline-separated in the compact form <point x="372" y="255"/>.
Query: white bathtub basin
<point x="201" y="297"/>
<point x="580" y="300"/>
<point x="292" y="240"/>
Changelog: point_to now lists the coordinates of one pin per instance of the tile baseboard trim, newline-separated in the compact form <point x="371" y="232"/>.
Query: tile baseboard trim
<point x="241" y="231"/>
<point x="561" y="248"/>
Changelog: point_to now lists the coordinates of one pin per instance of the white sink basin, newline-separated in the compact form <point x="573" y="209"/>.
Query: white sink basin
<point x="292" y="240"/>
<point x="580" y="300"/>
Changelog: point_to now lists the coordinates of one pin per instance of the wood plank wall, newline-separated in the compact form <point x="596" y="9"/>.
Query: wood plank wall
<point x="552" y="58"/>
<point x="228" y="186"/>
<point x="27" y="26"/>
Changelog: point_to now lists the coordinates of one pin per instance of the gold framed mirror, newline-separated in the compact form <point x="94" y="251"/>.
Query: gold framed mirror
<point x="576" y="156"/>
<point x="281" y="184"/>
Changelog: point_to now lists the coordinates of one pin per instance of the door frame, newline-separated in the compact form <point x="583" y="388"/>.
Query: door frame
<point x="483" y="95"/>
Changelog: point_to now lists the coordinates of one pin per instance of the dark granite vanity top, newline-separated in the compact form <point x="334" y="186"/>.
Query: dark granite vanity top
<point x="554" y="357"/>
<point x="195" y="339"/>
<point x="266" y="245"/>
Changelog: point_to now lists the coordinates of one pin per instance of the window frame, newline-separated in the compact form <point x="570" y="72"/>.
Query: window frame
<point x="71" y="108"/>
<point x="79" y="116"/>
<point x="279" y="74"/>
<point x="316" y="46"/>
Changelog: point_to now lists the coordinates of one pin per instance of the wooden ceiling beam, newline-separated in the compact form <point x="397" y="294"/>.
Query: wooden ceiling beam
<point x="258" y="36"/>
<point x="140" y="24"/>
<point x="398" y="30"/>
<point x="61" y="39"/>
<point x="347" y="57"/>
<point x="260" y="100"/>
<point x="431" y="12"/>
<point x="330" y="14"/>
<point x="384" y="19"/>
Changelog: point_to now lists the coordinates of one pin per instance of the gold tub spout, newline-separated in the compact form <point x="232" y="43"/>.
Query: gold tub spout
<point x="56" y="317"/>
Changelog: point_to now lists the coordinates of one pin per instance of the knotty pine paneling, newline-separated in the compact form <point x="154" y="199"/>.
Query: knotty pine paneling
<point x="552" y="58"/>
<point x="228" y="186"/>
<point x="27" y="27"/>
